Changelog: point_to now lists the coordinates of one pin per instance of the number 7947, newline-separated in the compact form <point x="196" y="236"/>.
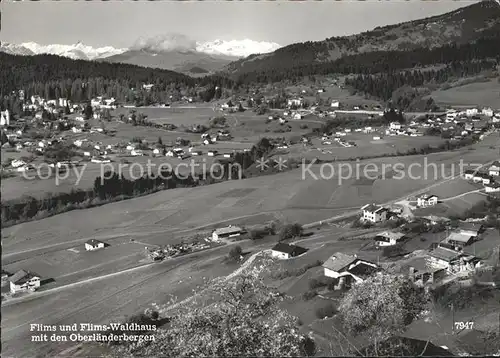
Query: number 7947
<point x="464" y="325"/>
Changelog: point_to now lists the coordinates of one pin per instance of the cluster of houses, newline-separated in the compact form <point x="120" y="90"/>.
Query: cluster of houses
<point x="396" y="128"/>
<point x="489" y="179"/>
<point x="38" y="104"/>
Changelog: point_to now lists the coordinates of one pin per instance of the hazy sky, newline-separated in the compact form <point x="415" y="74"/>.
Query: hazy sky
<point x="120" y="24"/>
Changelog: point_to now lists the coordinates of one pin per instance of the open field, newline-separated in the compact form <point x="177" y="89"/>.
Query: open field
<point x="473" y="94"/>
<point x="166" y="216"/>
<point x="365" y="146"/>
<point x="281" y="194"/>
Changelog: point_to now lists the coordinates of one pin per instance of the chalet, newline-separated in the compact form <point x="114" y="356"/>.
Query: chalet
<point x="488" y="112"/>
<point x="212" y="153"/>
<point x="459" y="240"/>
<point x="452" y="260"/>
<point x="494" y="169"/>
<point x="395" y="126"/>
<point x="374" y="213"/>
<point x="286" y="251"/>
<point x="295" y="102"/>
<point x="335" y="104"/>
<point x="348" y="268"/>
<point x="169" y="153"/>
<point x="469" y="174"/>
<point x="23" y="281"/>
<point x="225" y="232"/>
<point x="492" y="187"/>
<point x="480" y="177"/>
<point x="93" y="244"/>
<point x="297" y="116"/>
<point x="426" y="200"/>
<point x="388" y="238"/>
<point x="472" y="229"/>
<point x="471" y="112"/>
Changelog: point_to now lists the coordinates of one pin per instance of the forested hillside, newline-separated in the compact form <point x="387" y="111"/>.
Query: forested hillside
<point x="463" y="26"/>
<point x="54" y="76"/>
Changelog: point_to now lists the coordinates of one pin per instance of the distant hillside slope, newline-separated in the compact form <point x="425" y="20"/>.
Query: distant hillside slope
<point x="180" y="61"/>
<point x="461" y="26"/>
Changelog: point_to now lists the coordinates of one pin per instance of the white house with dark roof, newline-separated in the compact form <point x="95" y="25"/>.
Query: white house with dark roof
<point x="226" y="232"/>
<point x="348" y="268"/>
<point x="426" y="200"/>
<point x="469" y="174"/>
<point x="285" y="251"/>
<point x="389" y="238"/>
<point x="374" y="213"/>
<point x="93" y="244"/>
<point x="23" y="281"/>
<point x="494" y="169"/>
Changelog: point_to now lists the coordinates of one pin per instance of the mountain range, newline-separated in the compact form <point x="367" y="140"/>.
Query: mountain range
<point x="171" y="52"/>
<point x="463" y="26"/>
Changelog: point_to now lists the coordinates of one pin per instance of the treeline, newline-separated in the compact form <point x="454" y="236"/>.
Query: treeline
<point x="349" y="122"/>
<point x="381" y="61"/>
<point x="383" y="85"/>
<point x="53" y="77"/>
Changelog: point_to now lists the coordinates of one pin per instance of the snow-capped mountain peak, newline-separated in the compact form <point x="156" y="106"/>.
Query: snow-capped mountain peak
<point x="157" y="44"/>
<point x="78" y="51"/>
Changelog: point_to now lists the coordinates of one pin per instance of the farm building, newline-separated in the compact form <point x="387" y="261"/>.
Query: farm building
<point x="374" y="213"/>
<point x="335" y="104"/>
<point x="472" y="229"/>
<point x="93" y="244"/>
<point x="426" y="200"/>
<point x="421" y="272"/>
<point x="452" y="260"/>
<point x="348" y="268"/>
<point x="24" y="281"/>
<point x="388" y="238"/>
<point x="459" y="240"/>
<point x="286" y="251"/>
<point x="212" y="153"/>
<point x="225" y="232"/>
